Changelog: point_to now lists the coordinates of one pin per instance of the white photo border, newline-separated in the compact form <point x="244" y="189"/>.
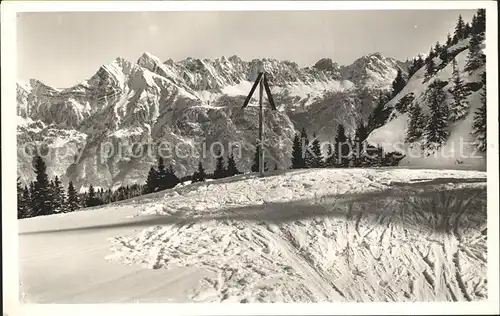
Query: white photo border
<point x="9" y="159"/>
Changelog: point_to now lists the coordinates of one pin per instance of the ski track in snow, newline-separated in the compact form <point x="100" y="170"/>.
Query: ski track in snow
<point x="322" y="235"/>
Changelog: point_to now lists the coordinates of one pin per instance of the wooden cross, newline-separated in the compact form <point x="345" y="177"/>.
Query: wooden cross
<point x="263" y="83"/>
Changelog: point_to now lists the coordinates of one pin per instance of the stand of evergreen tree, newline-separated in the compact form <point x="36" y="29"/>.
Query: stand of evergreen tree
<point x="200" y="175"/>
<point x="459" y="30"/>
<point x="316" y="157"/>
<point x="256" y="159"/>
<point x="399" y="83"/>
<point x="416" y="64"/>
<point x="435" y="131"/>
<point x="379" y="114"/>
<point x="479" y="22"/>
<point x="232" y="170"/>
<point x="41" y="195"/>
<point x="476" y="58"/>
<point x="298" y="161"/>
<point x="220" y="168"/>
<point x="430" y="68"/>
<point x="72" y="201"/>
<point x="416" y="125"/>
<point x="479" y="124"/>
<point x="161" y="178"/>
<point x="330" y="161"/>
<point x="341" y="148"/>
<point x="58" y="196"/>
<point x="460" y="106"/>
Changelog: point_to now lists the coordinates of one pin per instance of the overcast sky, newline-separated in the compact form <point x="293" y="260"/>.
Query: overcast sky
<point x="62" y="49"/>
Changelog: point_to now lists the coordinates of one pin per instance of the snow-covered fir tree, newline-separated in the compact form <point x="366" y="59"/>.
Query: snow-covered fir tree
<point x="232" y="170"/>
<point x="23" y="200"/>
<point x="341" y="150"/>
<point x="297" y="154"/>
<point x="459" y="30"/>
<point x="449" y="40"/>
<point x="308" y="157"/>
<point x="476" y="58"/>
<point x="460" y="106"/>
<point x="443" y="55"/>
<point x="200" y="175"/>
<point x="416" y="124"/>
<point x="316" y="160"/>
<point x="379" y="114"/>
<point x="256" y="159"/>
<point x="151" y="181"/>
<point x="330" y="160"/>
<point x="72" y="203"/>
<point x="58" y="195"/>
<point x="479" y="124"/>
<point x="161" y="174"/>
<point x="360" y="135"/>
<point x="479" y="22"/>
<point x="91" y="198"/>
<point x="41" y="194"/>
<point x="430" y="68"/>
<point x="220" y="168"/>
<point x="399" y="83"/>
<point x="435" y="130"/>
<point x="172" y="179"/>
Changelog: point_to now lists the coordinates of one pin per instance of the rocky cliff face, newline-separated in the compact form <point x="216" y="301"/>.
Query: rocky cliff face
<point x="94" y="132"/>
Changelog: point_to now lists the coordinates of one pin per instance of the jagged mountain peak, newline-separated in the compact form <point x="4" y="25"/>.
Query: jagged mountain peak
<point x="326" y="64"/>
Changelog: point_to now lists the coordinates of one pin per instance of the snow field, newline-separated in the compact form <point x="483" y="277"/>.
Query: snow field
<point x="322" y="235"/>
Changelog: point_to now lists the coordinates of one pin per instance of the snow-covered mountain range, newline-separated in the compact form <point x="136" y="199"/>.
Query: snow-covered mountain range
<point x="187" y="103"/>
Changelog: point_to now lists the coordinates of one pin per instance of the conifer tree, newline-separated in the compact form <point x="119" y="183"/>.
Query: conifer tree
<point x="151" y="181"/>
<point x="467" y="30"/>
<point x="398" y="84"/>
<point x="256" y="158"/>
<point x="449" y="40"/>
<point x="59" y="198"/>
<point x="431" y="68"/>
<point x="161" y="174"/>
<point x="459" y="29"/>
<point x="360" y="135"/>
<point x="91" y="197"/>
<point x="416" y="123"/>
<point x="444" y="55"/>
<point x="460" y="106"/>
<point x="22" y="200"/>
<point x="308" y="158"/>
<point x="172" y="178"/>
<point x="330" y="160"/>
<point x="232" y="170"/>
<point x="201" y="175"/>
<point x="479" y="22"/>
<point x="72" y="202"/>
<point x="479" y="124"/>
<point x="41" y="195"/>
<point x="435" y="131"/>
<point x="220" y="169"/>
<point x="379" y="114"/>
<point x="316" y="157"/>
<point x="341" y="149"/>
<point x="476" y="58"/>
<point x="437" y="48"/>
<point x="32" y="198"/>
<point x="297" y="155"/>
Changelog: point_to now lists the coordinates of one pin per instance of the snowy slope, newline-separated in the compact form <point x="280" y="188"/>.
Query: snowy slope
<point x="303" y="236"/>
<point x="189" y="102"/>
<point x="460" y="144"/>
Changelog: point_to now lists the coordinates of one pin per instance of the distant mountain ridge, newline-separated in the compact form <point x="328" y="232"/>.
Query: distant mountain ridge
<point x="190" y="101"/>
